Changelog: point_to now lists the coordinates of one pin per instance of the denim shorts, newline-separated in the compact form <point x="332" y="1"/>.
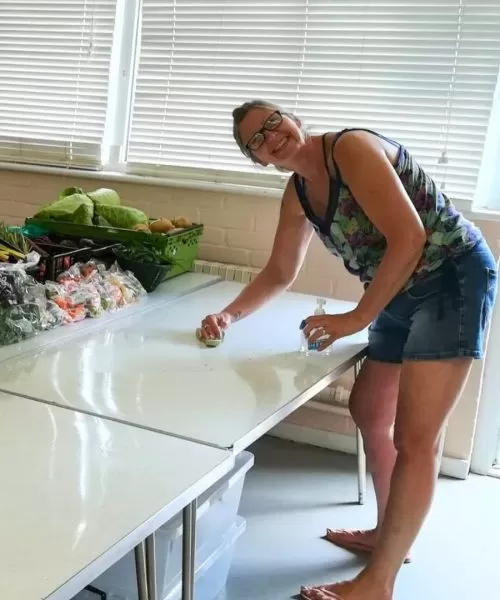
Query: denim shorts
<point x="444" y="315"/>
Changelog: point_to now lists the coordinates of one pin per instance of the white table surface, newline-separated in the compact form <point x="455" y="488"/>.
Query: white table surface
<point x="79" y="492"/>
<point x="166" y="292"/>
<point x="151" y="371"/>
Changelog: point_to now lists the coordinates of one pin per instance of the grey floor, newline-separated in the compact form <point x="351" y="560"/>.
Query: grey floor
<point x="294" y="492"/>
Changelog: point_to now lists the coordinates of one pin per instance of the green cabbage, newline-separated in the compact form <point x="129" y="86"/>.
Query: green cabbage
<point x="100" y="207"/>
<point x="83" y="215"/>
<point x="105" y="196"/>
<point x="124" y="217"/>
<point x="70" y="191"/>
<point x="68" y="208"/>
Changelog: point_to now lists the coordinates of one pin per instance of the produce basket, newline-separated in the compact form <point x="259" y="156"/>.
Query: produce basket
<point x="149" y="274"/>
<point x="179" y="247"/>
<point x="57" y="258"/>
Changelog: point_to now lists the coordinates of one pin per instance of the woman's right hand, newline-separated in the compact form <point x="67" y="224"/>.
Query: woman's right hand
<point x="213" y="326"/>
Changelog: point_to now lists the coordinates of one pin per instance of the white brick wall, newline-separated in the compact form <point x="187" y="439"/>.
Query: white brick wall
<point x="238" y="228"/>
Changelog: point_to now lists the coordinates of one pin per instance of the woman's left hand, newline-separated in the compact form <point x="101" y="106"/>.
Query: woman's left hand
<point x="335" y="326"/>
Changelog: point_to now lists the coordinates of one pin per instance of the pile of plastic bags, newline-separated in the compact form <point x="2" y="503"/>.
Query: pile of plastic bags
<point x="85" y="290"/>
<point x="89" y="290"/>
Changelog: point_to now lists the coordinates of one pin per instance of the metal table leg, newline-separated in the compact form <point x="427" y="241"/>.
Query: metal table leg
<point x="188" y="550"/>
<point x="151" y="566"/>
<point x="361" y="467"/>
<point x="140" y="569"/>
<point x="360" y="450"/>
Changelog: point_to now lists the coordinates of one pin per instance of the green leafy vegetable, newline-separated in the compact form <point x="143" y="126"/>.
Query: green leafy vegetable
<point x="143" y="253"/>
<point x="14" y="239"/>
<point x="105" y="196"/>
<point x="125" y="217"/>
<point x="70" y="191"/>
<point x="83" y="215"/>
<point x="67" y="208"/>
<point x="101" y="221"/>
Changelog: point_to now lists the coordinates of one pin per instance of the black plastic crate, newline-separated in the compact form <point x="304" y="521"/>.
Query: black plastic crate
<point x="56" y="258"/>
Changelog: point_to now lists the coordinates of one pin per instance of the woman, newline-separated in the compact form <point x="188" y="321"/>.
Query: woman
<point x="430" y="284"/>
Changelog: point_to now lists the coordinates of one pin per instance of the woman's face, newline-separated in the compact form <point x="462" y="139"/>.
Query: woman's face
<point x="270" y="136"/>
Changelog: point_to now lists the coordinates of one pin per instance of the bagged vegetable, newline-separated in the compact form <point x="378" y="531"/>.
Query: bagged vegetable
<point x="89" y="290"/>
<point x="19" y="322"/>
<point x="17" y="287"/>
<point x="23" y="307"/>
<point x="130" y="287"/>
<point x="75" y="294"/>
<point x="57" y="316"/>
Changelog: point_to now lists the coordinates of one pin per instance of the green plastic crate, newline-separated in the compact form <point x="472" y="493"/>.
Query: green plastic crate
<point x="180" y="247"/>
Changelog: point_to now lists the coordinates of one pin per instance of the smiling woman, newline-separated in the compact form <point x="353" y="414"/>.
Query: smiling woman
<point x="430" y="287"/>
<point x="277" y="121"/>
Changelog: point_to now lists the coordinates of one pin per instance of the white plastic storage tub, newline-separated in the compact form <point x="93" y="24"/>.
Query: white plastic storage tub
<point x="211" y="576"/>
<point x="216" y="515"/>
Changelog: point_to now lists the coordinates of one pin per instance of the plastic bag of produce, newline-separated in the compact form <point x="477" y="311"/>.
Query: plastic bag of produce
<point x="93" y="305"/>
<point x="19" y="322"/>
<point x="69" y="311"/>
<point x="85" y="290"/>
<point x="57" y="316"/>
<point x="111" y="295"/>
<point x="71" y="296"/>
<point x="17" y="287"/>
<point x="23" y="307"/>
<point x="8" y="293"/>
<point x="130" y="287"/>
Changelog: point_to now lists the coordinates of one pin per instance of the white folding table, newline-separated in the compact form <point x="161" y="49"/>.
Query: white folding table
<point x="166" y="292"/>
<point x="79" y="492"/>
<point x="150" y="371"/>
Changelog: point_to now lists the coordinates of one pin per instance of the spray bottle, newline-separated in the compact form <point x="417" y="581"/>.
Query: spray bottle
<point x="307" y="347"/>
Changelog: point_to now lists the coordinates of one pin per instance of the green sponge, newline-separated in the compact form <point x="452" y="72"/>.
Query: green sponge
<point x="210" y="342"/>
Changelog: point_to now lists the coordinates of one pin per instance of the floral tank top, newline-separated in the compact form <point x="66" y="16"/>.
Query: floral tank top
<point x="347" y="232"/>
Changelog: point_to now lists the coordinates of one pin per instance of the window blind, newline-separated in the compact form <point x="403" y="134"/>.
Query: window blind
<point x="197" y="60"/>
<point x="54" y="69"/>
<point x="421" y="72"/>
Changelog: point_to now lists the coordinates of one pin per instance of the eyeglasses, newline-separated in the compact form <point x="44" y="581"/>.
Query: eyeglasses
<point x="272" y="122"/>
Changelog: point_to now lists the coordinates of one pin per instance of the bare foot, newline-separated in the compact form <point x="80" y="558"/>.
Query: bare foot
<point x="345" y="590"/>
<point x="324" y="592"/>
<point x="359" y="540"/>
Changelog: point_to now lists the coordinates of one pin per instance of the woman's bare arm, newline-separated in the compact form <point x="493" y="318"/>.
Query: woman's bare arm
<point x="378" y="190"/>
<point x="293" y="235"/>
<point x="292" y="238"/>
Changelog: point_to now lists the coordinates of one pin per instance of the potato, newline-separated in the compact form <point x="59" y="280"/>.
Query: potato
<point x="162" y="226"/>
<point x="181" y="222"/>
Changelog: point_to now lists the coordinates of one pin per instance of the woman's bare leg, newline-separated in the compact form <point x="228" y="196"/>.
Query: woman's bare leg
<point x="428" y="393"/>
<point x="373" y="403"/>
